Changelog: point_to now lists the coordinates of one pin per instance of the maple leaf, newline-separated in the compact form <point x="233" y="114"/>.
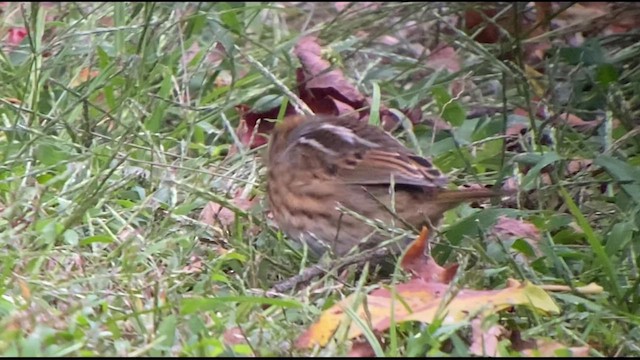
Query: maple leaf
<point x="424" y="298"/>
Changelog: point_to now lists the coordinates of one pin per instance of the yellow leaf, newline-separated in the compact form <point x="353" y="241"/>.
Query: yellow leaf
<point x="590" y="289"/>
<point x="534" y="78"/>
<point x="421" y="301"/>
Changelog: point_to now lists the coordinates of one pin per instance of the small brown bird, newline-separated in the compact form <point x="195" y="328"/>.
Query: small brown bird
<point x="320" y="166"/>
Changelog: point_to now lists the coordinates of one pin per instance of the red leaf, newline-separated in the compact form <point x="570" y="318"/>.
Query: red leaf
<point x="425" y="267"/>
<point x="319" y="86"/>
<point x="249" y="119"/>
<point x="15" y="36"/>
<point x="490" y="34"/>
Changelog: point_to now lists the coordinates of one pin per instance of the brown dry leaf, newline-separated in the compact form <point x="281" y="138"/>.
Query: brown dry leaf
<point x="106" y="21"/>
<point x="436" y="123"/>
<point x="128" y="233"/>
<point x="341" y="5"/>
<point x="581" y="13"/>
<point x="577" y="123"/>
<point x="425" y="267"/>
<point x="535" y="52"/>
<point x="233" y="336"/>
<point x="24" y="289"/>
<point x="224" y="78"/>
<point x="596" y="19"/>
<point x="361" y="349"/>
<point x="485" y="342"/>
<point x="508" y="227"/>
<point x="512" y="229"/>
<point x="217" y="55"/>
<point x="420" y="301"/>
<point x="625" y="23"/>
<point x="533" y="23"/>
<point x="539" y="108"/>
<point x="575" y="166"/>
<point x="472" y="19"/>
<point x="444" y="57"/>
<point x="549" y="348"/>
<point x="224" y="216"/>
<point x="195" y="266"/>
<point x="504" y="23"/>
<point x="213" y="211"/>
<point x="84" y="75"/>
<point x="190" y="53"/>
<point x="385" y="39"/>
<point x="14" y="101"/>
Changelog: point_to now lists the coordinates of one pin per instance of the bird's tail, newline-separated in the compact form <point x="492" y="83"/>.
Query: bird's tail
<point x="467" y="195"/>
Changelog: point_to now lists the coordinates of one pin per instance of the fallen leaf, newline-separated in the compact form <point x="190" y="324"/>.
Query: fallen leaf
<point x="577" y="165"/>
<point x="534" y="21"/>
<point x="444" y="57"/>
<point x="106" y="21"/>
<point x="576" y="122"/>
<point x="195" y="266"/>
<point x="386" y="40"/>
<point x="421" y="301"/>
<point x="319" y="85"/>
<point x="550" y="348"/>
<point x="361" y="349"/>
<point x="15" y="35"/>
<point x="435" y="122"/>
<point x="473" y="19"/>
<point x="224" y="216"/>
<point x="590" y="289"/>
<point x="24" y="290"/>
<point x="540" y="110"/>
<point x="342" y="5"/>
<point x="425" y="267"/>
<point x="580" y="13"/>
<point x="485" y="342"/>
<point x="83" y="76"/>
<point x="254" y="127"/>
<point x="217" y="55"/>
<point x="190" y="53"/>
<point x="128" y="233"/>
<point x="536" y="80"/>
<point x="224" y="78"/>
<point x="233" y="336"/>
<point x="14" y="101"/>
<point x="214" y="211"/>
<point x="508" y="229"/>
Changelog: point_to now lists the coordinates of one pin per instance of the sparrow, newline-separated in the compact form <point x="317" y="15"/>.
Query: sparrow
<point x="339" y="184"/>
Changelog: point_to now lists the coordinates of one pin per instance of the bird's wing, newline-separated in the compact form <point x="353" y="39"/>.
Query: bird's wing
<point x="358" y="153"/>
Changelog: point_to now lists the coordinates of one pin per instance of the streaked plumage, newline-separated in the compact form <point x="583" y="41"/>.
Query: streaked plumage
<point x="316" y="165"/>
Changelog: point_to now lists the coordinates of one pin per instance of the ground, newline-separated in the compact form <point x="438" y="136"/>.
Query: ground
<point x="133" y="218"/>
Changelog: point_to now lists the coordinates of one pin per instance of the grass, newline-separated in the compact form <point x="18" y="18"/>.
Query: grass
<point x="103" y="177"/>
